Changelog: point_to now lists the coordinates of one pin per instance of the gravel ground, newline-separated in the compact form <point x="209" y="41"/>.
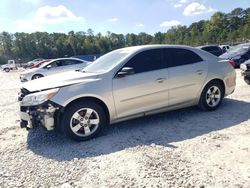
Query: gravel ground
<point x="184" y="148"/>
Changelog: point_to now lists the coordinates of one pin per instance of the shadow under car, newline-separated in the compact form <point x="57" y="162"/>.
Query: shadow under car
<point x="161" y="129"/>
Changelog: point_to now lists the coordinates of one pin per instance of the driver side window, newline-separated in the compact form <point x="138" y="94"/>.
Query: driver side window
<point x="248" y="54"/>
<point x="55" y="64"/>
<point x="146" y="61"/>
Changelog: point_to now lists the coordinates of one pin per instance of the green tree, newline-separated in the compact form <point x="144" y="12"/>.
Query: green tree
<point x="221" y="28"/>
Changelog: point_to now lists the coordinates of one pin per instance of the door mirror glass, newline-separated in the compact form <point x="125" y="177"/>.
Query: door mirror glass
<point x="125" y="71"/>
<point x="49" y="66"/>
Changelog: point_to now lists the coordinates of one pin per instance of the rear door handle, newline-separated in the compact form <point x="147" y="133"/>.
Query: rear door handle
<point x="160" y="80"/>
<point x="199" y="72"/>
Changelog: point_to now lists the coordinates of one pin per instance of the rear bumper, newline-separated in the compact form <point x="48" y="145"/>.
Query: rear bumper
<point x="230" y="83"/>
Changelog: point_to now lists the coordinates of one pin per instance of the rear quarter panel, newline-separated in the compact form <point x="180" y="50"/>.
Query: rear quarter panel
<point x="222" y="71"/>
<point x="218" y="69"/>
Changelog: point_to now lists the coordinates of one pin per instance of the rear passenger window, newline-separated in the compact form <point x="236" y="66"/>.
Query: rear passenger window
<point x="68" y="62"/>
<point x="180" y="57"/>
<point x="146" y="61"/>
<point x="211" y="48"/>
<point x="77" y="62"/>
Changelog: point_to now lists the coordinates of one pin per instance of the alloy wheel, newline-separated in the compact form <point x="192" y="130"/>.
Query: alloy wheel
<point x="213" y="96"/>
<point x="84" y="122"/>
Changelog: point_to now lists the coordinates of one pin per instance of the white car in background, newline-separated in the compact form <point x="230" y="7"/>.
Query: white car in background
<point x="53" y="67"/>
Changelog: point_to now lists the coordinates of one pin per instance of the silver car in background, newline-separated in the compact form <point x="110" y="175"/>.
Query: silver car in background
<point x="124" y="84"/>
<point x="53" y="67"/>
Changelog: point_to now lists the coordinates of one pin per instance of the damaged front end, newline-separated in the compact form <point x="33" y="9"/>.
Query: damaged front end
<point x="36" y="109"/>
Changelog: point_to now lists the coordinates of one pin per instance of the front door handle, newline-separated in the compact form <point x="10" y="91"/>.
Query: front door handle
<point x="160" y="80"/>
<point x="199" y="72"/>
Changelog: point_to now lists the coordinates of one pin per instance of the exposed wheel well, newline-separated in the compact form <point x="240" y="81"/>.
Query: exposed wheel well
<point x="96" y="100"/>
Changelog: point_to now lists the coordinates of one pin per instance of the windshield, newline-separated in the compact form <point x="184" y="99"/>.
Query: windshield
<point x="40" y="64"/>
<point x="107" y="61"/>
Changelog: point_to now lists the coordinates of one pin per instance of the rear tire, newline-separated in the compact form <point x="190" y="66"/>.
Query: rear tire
<point x="36" y="76"/>
<point x="83" y="120"/>
<point x="211" y="96"/>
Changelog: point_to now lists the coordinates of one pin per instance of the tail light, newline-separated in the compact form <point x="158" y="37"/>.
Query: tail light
<point x="232" y="62"/>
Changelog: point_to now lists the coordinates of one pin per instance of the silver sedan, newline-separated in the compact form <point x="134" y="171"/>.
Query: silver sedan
<point x="124" y="84"/>
<point x="52" y="67"/>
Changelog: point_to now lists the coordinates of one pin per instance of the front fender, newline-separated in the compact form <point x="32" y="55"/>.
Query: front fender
<point x="102" y="92"/>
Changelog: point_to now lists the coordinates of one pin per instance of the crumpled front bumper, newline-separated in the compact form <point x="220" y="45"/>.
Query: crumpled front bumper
<point x="43" y="115"/>
<point x="25" y="120"/>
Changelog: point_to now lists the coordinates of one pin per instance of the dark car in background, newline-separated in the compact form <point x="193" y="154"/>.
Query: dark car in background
<point x="245" y="68"/>
<point x="213" y="49"/>
<point x="89" y="58"/>
<point x="239" y="54"/>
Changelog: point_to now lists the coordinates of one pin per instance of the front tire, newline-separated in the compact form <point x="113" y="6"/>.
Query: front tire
<point x="84" y="120"/>
<point x="6" y="70"/>
<point x="211" y="96"/>
<point x="36" y="76"/>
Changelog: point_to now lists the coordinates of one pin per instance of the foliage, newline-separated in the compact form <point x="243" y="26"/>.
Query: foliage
<point x="221" y="28"/>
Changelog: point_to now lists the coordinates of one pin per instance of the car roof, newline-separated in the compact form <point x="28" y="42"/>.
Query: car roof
<point x="208" y="46"/>
<point x="154" y="46"/>
<point x="69" y="58"/>
<point x="244" y="44"/>
<point x="137" y="49"/>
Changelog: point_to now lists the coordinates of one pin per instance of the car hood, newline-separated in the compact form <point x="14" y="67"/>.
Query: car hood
<point x="28" y="71"/>
<point x="230" y="55"/>
<point x="59" y="80"/>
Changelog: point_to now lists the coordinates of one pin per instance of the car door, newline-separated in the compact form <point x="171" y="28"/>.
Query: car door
<point x="146" y="89"/>
<point x="80" y="64"/>
<point x="70" y="64"/>
<point x="187" y="74"/>
<point x="54" y="67"/>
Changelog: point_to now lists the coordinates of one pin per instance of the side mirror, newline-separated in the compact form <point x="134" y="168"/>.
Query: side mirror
<point x="49" y="67"/>
<point x="125" y="71"/>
